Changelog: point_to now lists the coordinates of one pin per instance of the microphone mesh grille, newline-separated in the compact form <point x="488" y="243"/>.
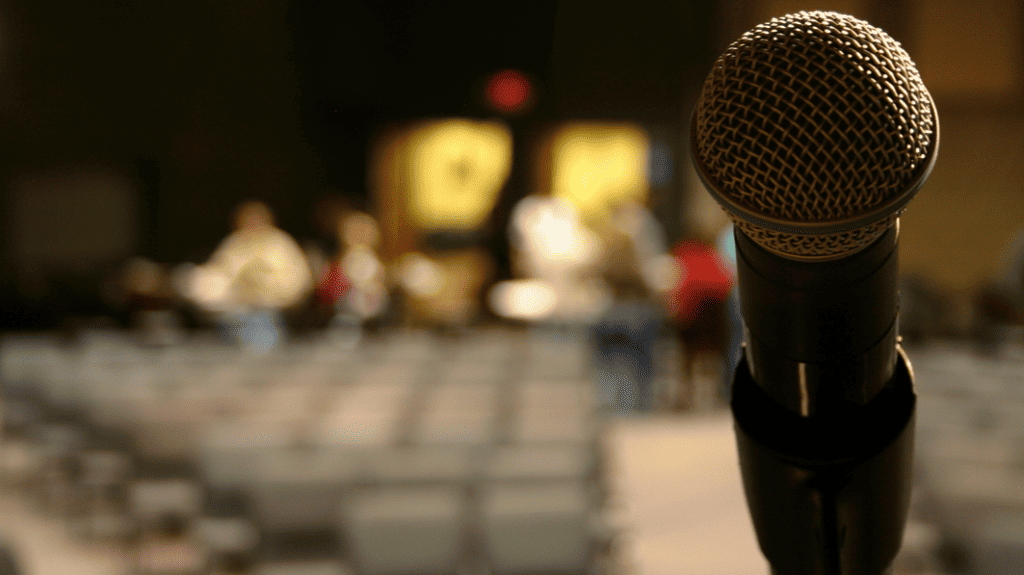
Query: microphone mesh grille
<point x="810" y="118"/>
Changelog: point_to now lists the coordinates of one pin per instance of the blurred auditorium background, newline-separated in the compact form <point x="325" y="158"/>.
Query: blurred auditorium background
<point x="299" y="286"/>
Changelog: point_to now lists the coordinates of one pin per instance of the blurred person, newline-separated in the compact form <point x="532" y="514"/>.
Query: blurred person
<point x="442" y="287"/>
<point x="354" y="282"/>
<point x="551" y="243"/>
<point x="316" y="258"/>
<point x="255" y="274"/>
<point x="315" y="312"/>
<point x="698" y="307"/>
<point x="635" y="271"/>
<point x="322" y="252"/>
<point x="351" y="292"/>
<point x="149" y="296"/>
<point x="331" y="287"/>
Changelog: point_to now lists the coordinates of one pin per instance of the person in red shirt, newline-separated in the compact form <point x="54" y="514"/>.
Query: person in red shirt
<point x="697" y="307"/>
<point x="331" y="286"/>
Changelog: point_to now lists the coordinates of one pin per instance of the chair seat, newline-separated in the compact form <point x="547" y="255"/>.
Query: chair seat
<point x="301" y="487"/>
<point x="537" y="528"/>
<point x="415" y="530"/>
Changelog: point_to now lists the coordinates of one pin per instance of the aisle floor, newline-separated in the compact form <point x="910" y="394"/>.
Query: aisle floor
<point x="680" y="480"/>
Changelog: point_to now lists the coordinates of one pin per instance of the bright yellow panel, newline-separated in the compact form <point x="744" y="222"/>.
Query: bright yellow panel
<point x="457" y="169"/>
<point x="598" y="165"/>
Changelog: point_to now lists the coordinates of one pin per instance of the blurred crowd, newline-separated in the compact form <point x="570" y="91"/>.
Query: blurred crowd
<point x="612" y="276"/>
<point x="609" y="273"/>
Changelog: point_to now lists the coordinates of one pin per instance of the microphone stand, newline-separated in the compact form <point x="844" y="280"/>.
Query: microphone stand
<point x="828" y="488"/>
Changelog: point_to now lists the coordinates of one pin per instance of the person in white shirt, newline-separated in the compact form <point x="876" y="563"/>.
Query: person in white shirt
<point x="552" y="244"/>
<point x="257" y="272"/>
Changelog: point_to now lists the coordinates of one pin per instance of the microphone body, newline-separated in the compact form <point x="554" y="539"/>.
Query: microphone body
<point x="824" y="408"/>
<point x="829" y="327"/>
<point x="813" y="131"/>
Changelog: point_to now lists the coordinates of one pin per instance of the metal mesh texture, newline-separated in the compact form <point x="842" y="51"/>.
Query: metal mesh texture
<point x="817" y="246"/>
<point x="810" y="118"/>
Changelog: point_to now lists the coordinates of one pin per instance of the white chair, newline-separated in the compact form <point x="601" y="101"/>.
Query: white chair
<point x="537" y="528"/>
<point x="473" y="371"/>
<point x="151" y="500"/>
<point x="228" y="451"/>
<point x="408" y="531"/>
<point x="226" y="535"/>
<point x="170" y="429"/>
<point x="304" y="568"/>
<point x="299" y="488"/>
<point x="104" y="474"/>
<point x="476" y="429"/>
<point x="419" y="465"/>
<point x="367" y="430"/>
<point x="461" y="396"/>
<point x="556" y="396"/>
<point x="567" y="427"/>
<point x="60" y="447"/>
<point x="519" y="463"/>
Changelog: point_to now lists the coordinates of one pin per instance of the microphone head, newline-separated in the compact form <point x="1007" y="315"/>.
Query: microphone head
<point x="813" y="131"/>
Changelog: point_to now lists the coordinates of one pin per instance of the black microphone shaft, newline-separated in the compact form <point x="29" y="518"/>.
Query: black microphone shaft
<point x="824" y="407"/>
<point x="821" y="336"/>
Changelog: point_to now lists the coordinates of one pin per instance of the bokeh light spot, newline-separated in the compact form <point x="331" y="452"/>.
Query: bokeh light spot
<point x="508" y="90"/>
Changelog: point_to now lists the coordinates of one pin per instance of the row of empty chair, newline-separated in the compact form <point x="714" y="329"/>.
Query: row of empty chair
<point x="410" y="454"/>
<point x="970" y="456"/>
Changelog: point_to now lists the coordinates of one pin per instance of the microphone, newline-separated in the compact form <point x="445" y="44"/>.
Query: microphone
<point x="813" y="131"/>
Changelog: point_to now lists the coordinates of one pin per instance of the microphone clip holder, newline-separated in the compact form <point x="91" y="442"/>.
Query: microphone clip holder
<point x="828" y="495"/>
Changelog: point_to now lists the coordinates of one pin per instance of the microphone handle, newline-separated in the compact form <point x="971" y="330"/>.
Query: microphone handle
<point x="821" y="336"/>
<point x="825" y="419"/>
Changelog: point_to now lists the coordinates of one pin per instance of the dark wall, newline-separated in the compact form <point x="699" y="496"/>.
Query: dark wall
<point x="640" y="61"/>
<point x="629" y="60"/>
<point x="196" y="100"/>
<point x="203" y="104"/>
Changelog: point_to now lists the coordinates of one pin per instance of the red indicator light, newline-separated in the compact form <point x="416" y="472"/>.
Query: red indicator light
<point x="508" y="90"/>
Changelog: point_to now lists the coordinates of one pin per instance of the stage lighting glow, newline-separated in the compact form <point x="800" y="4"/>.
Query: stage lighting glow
<point x="508" y="90"/>
<point x="457" y="170"/>
<point x="596" y="165"/>
<point x="523" y="299"/>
